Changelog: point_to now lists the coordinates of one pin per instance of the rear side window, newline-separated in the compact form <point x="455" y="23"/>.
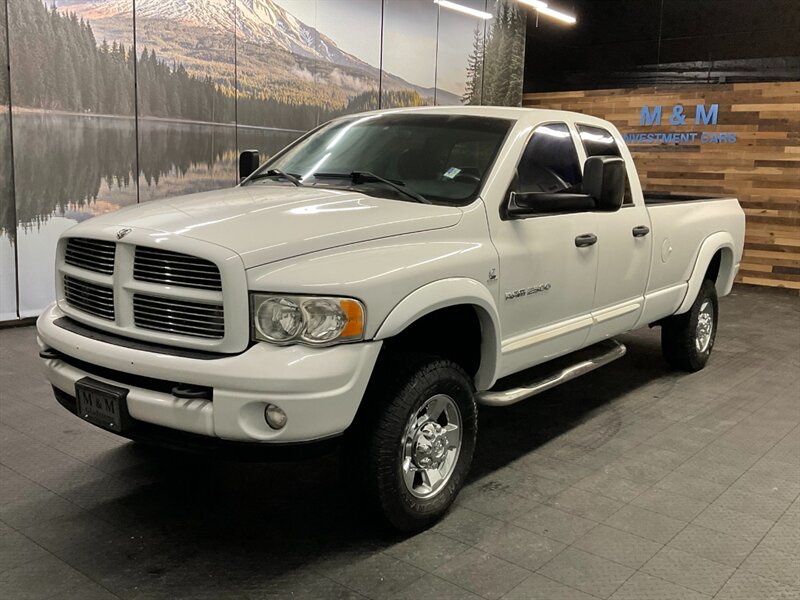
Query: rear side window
<point x="599" y="142"/>
<point x="550" y="162"/>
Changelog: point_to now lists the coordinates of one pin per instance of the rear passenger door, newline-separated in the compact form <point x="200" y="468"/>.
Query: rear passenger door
<point x="547" y="276"/>
<point x="624" y="250"/>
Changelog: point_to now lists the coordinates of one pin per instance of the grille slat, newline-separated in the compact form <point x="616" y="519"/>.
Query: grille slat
<point x="175" y="326"/>
<point x="184" y="315"/>
<point x="175" y="278"/>
<point x="204" y="311"/>
<point x="92" y="255"/>
<point x="175" y="262"/>
<point x="173" y="268"/>
<point x="89" y="297"/>
<point x="95" y="295"/>
<point x="86" y="296"/>
<point x="158" y="270"/>
<point x="179" y="316"/>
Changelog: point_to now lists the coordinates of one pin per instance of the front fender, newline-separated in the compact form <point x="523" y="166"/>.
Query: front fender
<point x="444" y="293"/>
<point x="722" y="240"/>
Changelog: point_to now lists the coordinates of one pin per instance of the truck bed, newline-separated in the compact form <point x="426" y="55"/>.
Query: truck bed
<point x="680" y="224"/>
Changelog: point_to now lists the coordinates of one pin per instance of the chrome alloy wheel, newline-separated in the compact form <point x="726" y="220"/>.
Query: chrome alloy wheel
<point x="431" y="445"/>
<point x="705" y="326"/>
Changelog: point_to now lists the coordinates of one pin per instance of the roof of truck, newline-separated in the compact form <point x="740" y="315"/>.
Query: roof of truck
<point x="503" y="112"/>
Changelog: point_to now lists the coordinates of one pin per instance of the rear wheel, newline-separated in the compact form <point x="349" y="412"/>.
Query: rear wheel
<point x="412" y="449"/>
<point x="687" y="339"/>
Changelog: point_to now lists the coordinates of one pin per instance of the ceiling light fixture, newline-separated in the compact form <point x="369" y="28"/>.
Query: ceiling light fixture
<point x="542" y="8"/>
<point x="464" y="9"/>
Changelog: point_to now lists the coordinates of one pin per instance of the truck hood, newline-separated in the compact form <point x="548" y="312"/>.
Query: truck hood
<point x="266" y="223"/>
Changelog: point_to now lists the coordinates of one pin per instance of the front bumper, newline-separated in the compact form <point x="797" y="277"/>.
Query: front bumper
<point x="320" y="389"/>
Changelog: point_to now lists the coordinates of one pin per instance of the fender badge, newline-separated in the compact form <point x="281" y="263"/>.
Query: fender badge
<point x="123" y="232"/>
<point x="528" y="291"/>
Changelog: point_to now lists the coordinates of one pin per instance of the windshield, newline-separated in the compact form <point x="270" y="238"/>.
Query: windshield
<point x="442" y="158"/>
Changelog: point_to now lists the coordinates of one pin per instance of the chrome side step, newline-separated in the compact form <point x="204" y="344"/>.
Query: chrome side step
<point x="604" y="353"/>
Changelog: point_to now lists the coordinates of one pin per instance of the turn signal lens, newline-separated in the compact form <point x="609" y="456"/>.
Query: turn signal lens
<point x="354" y="329"/>
<point x="311" y="320"/>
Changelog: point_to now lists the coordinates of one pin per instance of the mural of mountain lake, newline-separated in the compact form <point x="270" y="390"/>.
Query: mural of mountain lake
<point x="71" y="167"/>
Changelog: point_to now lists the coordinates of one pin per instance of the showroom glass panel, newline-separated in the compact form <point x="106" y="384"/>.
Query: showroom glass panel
<point x="73" y="128"/>
<point x="186" y="98"/>
<point x="459" y="55"/>
<point x="504" y="62"/>
<point x="349" y="50"/>
<point x="409" y="53"/>
<point x="550" y="162"/>
<point x="278" y="96"/>
<point x="8" y="270"/>
<point x="599" y="142"/>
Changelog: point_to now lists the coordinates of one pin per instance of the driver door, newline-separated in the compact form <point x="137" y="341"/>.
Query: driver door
<point x="547" y="270"/>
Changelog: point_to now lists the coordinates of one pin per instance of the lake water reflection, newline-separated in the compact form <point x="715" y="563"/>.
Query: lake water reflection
<point x="68" y="168"/>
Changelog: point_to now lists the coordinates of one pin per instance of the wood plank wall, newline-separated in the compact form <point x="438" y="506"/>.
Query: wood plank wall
<point x="762" y="168"/>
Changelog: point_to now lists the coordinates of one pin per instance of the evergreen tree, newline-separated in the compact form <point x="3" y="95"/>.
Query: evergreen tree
<point x="504" y="56"/>
<point x="472" y="92"/>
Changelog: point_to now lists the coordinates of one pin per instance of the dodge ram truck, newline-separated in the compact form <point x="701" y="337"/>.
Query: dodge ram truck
<point x="373" y="283"/>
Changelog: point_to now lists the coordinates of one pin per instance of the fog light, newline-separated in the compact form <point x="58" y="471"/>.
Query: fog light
<point x="274" y="416"/>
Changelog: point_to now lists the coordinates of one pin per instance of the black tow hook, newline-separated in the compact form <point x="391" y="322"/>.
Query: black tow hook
<point x="48" y="353"/>
<point x="191" y="392"/>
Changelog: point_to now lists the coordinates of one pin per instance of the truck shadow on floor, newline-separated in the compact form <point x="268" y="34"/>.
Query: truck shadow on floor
<point x="189" y="521"/>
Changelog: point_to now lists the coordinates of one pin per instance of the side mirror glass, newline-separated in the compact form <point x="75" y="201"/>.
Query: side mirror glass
<point x="248" y="163"/>
<point x="604" y="180"/>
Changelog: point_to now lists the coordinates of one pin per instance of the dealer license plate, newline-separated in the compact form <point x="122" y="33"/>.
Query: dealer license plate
<point x="101" y="404"/>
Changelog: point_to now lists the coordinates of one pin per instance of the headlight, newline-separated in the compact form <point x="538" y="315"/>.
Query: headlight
<point x="305" y="319"/>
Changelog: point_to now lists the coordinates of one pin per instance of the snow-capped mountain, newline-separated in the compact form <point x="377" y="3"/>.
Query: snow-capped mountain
<point x="257" y="21"/>
<point x="263" y="25"/>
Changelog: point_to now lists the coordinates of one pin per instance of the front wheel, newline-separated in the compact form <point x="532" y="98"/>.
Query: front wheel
<point x="413" y="447"/>
<point x="687" y="339"/>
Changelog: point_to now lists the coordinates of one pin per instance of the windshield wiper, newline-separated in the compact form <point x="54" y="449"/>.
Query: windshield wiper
<point x="277" y="173"/>
<point x="366" y="177"/>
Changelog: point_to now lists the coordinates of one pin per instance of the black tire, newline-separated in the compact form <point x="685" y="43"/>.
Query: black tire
<point x="372" y="461"/>
<point x="679" y="333"/>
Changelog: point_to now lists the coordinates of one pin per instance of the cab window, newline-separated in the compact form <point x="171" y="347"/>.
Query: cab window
<point x="599" y="142"/>
<point x="550" y="162"/>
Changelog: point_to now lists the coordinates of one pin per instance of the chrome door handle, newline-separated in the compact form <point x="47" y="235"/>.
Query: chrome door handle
<point x="586" y="239"/>
<point x="640" y="231"/>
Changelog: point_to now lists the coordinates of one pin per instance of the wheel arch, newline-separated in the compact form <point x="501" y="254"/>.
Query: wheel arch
<point x="716" y="261"/>
<point x="438" y="307"/>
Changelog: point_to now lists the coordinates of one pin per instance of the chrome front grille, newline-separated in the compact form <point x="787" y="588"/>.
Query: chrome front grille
<point x="173" y="268"/>
<point x="93" y="255"/>
<point x="89" y="297"/>
<point x="133" y="288"/>
<point x="179" y="316"/>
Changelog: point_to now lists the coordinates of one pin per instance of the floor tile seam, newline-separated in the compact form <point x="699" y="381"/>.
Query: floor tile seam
<point x="761" y="539"/>
<point x="56" y="409"/>
<point x="60" y="451"/>
<point x="572" y="587"/>
<point x="57" y="558"/>
<point x="434" y="574"/>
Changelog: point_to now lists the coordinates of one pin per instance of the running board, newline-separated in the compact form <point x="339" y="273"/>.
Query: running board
<point x="591" y="358"/>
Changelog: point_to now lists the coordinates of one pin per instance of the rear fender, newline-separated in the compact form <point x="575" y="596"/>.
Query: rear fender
<point x="723" y="241"/>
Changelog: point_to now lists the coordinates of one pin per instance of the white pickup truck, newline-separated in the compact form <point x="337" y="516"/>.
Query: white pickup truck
<point x="374" y="282"/>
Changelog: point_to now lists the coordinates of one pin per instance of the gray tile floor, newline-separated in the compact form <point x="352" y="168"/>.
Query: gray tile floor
<point x="632" y="482"/>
